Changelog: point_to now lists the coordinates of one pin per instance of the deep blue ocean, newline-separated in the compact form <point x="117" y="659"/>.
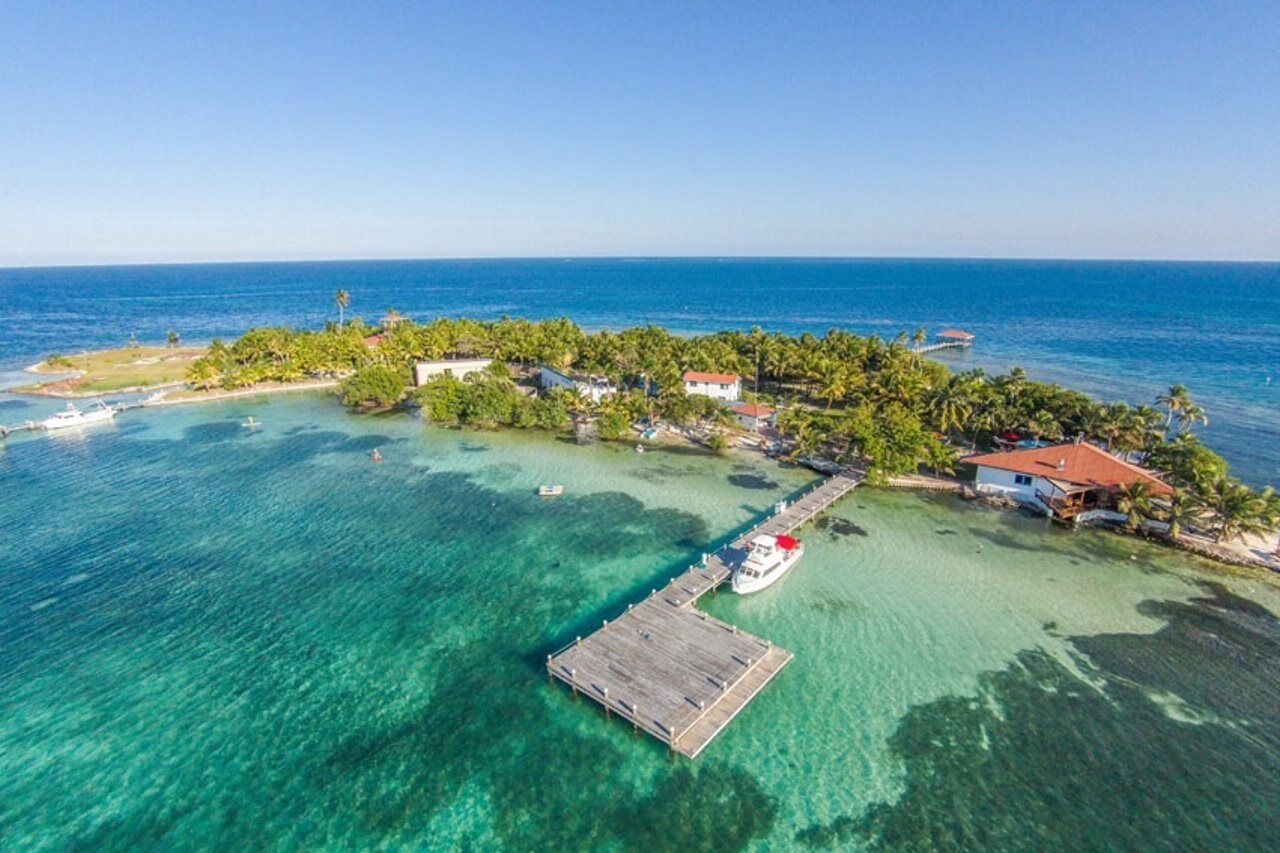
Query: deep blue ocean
<point x="1117" y="330"/>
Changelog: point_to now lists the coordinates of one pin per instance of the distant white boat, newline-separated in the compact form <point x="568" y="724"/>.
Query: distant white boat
<point x="550" y="491"/>
<point x="768" y="559"/>
<point x="73" y="417"/>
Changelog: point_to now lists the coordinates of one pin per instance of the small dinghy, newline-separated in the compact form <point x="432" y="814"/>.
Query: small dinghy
<point x="550" y="491"/>
<point x="375" y="455"/>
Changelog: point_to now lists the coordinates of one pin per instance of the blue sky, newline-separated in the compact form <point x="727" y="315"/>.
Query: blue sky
<point x="217" y="131"/>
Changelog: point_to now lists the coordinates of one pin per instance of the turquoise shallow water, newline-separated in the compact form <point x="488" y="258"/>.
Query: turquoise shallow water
<point x="214" y="637"/>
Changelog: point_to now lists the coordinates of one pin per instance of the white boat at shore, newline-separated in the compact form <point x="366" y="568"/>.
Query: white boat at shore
<point x="768" y="559"/>
<point x="550" y="491"/>
<point x="73" y="417"/>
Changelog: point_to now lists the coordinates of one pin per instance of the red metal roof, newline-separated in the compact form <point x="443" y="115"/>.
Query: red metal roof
<point x="1083" y="464"/>
<point x="695" y="376"/>
<point x="372" y="340"/>
<point x="752" y="410"/>
<point x="956" y="334"/>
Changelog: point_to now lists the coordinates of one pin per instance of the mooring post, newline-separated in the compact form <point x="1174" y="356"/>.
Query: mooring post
<point x="606" y="702"/>
<point x="573" y="681"/>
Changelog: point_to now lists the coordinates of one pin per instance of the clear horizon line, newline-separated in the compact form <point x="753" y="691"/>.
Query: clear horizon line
<point x="638" y="257"/>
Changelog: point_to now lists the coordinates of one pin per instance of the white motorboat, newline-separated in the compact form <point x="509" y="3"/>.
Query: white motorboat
<point x="73" y="417"/>
<point x="767" y="560"/>
<point x="550" y="491"/>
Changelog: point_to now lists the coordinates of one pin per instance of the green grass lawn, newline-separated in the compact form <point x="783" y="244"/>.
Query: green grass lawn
<point x="113" y="369"/>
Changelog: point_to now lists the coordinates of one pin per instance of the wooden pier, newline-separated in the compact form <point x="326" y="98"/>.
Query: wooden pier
<point x="948" y="339"/>
<point x="674" y="671"/>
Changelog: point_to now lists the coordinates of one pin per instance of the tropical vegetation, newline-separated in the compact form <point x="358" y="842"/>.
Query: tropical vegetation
<point x="864" y="400"/>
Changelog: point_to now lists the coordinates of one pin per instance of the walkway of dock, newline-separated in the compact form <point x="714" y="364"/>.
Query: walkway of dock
<point x="677" y="672"/>
<point x="937" y="345"/>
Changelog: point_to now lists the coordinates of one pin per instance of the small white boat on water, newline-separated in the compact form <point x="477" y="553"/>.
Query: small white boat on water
<point x="73" y="417"/>
<point x="768" y="559"/>
<point x="550" y="491"/>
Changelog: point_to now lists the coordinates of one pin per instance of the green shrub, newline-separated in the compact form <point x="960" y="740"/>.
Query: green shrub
<point x="375" y="386"/>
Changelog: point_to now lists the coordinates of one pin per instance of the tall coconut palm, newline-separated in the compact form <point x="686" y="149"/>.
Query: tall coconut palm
<point x="1134" y="500"/>
<point x="1177" y="402"/>
<point x="1179" y="510"/>
<point x="950" y="405"/>
<point x="1234" y="508"/>
<point x="1190" y="416"/>
<point x="833" y="382"/>
<point x="343" y="300"/>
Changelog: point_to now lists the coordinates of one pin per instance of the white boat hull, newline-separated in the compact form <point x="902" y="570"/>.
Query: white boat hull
<point x="79" y="419"/>
<point x="744" y="585"/>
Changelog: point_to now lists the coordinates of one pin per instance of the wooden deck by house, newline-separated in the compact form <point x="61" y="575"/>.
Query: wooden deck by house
<point x="674" y="671"/>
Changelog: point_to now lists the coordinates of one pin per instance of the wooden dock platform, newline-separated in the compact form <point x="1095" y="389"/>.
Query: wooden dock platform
<point x="678" y="673"/>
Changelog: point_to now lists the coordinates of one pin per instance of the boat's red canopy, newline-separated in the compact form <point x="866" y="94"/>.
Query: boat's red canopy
<point x="786" y="543"/>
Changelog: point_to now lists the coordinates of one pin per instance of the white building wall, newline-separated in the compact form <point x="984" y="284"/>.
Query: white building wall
<point x="997" y="481"/>
<point x="425" y="371"/>
<point x="595" y="391"/>
<point x="716" y="390"/>
<point x="753" y="423"/>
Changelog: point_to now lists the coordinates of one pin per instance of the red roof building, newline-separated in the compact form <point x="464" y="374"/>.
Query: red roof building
<point x="373" y="340"/>
<point x="719" y="378"/>
<point x="1063" y="479"/>
<point x="954" y="335"/>
<point x="752" y="410"/>
<point x="725" y="387"/>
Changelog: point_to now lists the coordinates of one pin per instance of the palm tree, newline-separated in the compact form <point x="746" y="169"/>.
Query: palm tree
<point x="1134" y="500"/>
<point x="940" y="458"/>
<point x="1177" y="400"/>
<point x="1235" y="509"/>
<point x="833" y="382"/>
<point x="917" y="337"/>
<point x="172" y="339"/>
<point x="950" y="405"/>
<point x="342" y="300"/>
<point x="1179" y="511"/>
<point x="1190" y="416"/>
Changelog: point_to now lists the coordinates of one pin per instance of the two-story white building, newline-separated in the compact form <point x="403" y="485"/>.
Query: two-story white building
<point x="1073" y="481"/>
<point x="719" y="386"/>
<point x="594" y="388"/>
<point x="425" y="371"/>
